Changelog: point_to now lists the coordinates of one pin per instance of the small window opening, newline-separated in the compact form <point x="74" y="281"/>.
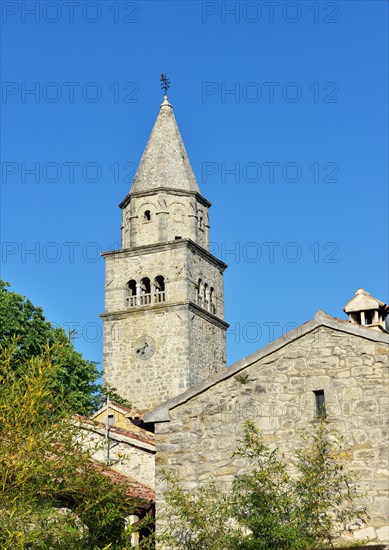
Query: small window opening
<point x="131" y="286"/>
<point x="131" y="293"/>
<point x="212" y="300"/>
<point x="145" y="285"/>
<point x="206" y="296"/>
<point x="159" y="286"/>
<point x="145" y="289"/>
<point x="147" y="215"/>
<point x="369" y="317"/>
<point x="320" y="403"/>
<point x="354" y="318"/>
<point x="177" y="237"/>
<point x="200" y="291"/>
<point x="159" y="283"/>
<point x="110" y="419"/>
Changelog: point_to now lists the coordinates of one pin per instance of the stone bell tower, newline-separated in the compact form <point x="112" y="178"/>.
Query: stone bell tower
<point x="164" y="294"/>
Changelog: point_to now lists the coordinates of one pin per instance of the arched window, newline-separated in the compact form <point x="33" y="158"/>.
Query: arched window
<point x="131" y="293"/>
<point x="212" y="300"/>
<point x="178" y="216"/>
<point x="145" y="292"/>
<point x="200" y="292"/>
<point x="146" y="216"/>
<point x="206" y="296"/>
<point x="159" y="285"/>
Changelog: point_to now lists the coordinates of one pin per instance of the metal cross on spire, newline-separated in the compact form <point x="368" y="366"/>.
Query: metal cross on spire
<point x="165" y="83"/>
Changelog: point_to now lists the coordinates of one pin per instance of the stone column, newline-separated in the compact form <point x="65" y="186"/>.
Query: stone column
<point x="138" y="294"/>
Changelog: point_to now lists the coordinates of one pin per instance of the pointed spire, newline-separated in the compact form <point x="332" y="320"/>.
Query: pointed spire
<point x="165" y="102"/>
<point x="165" y="162"/>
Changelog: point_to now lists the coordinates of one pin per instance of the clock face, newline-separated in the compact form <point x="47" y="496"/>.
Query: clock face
<point x="144" y="347"/>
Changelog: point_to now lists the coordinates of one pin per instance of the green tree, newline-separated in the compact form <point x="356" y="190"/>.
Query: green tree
<point x="274" y="506"/>
<point x="325" y="489"/>
<point x="51" y="494"/>
<point x="75" y="376"/>
<point x="198" y="520"/>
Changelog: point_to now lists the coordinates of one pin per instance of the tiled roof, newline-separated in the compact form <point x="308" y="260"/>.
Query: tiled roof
<point x="135" y="433"/>
<point x="135" y="490"/>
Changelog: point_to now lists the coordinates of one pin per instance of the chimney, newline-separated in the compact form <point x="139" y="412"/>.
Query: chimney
<point x="366" y="310"/>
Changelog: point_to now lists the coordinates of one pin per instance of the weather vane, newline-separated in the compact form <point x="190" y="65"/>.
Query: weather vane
<point x="165" y="83"/>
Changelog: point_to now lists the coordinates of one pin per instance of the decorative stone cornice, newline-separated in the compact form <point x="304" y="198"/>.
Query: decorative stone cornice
<point x="183" y="305"/>
<point x="166" y="190"/>
<point x="161" y="247"/>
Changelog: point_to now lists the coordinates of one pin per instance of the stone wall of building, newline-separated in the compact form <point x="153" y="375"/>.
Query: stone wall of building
<point x="188" y="341"/>
<point x="277" y="393"/>
<point x="147" y="382"/>
<point x="178" y="262"/>
<point x="169" y="215"/>
<point x="200" y="267"/>
<point x="208" y="340"/>
<point x="128" y="456"/>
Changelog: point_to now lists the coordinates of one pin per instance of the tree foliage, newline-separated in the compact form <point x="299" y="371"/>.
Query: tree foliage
<point x="51" y="494"/>
<point x="274" y="505"/>
<point x="75" y="376"/>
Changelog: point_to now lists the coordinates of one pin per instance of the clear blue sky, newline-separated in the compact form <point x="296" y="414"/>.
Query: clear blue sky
<point x="305" y="127"/>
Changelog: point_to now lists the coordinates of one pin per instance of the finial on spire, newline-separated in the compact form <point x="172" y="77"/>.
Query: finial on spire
<point x="165" y="83"/>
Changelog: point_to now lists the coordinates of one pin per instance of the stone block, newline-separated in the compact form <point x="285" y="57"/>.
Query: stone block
<point x="383" y="534"/>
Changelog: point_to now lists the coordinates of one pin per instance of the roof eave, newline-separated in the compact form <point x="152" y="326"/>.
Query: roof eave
<point x="134" y="194"/>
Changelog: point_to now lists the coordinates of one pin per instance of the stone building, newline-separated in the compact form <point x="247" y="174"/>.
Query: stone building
<point x="282" y="388"/>
<point x="164" y="296"/>
<point x="131" y="449"/>
<point x="164" y="345"/>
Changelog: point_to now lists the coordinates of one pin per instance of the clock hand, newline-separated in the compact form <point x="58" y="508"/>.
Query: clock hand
<point x="142" y="350"/>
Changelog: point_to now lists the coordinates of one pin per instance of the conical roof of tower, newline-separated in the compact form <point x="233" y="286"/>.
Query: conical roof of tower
<point x="165" y="162"/>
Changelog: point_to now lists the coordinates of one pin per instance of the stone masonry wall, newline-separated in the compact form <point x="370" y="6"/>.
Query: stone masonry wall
<point x="189" y="342"/>
<point x="198" y="268"/>
<point x="276" y="392"/>
<point x="181" y="267"/>
<point x="146" y="383"/>
<point x="208" y="340"/>
<point x="171" y="215"/>
<point x="128" y="459"/>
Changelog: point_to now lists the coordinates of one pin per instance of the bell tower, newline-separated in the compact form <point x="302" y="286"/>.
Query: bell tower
<point x="164" y="293"/>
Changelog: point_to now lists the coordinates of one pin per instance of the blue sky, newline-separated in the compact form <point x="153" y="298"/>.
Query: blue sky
<point x="283" y="111"/>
